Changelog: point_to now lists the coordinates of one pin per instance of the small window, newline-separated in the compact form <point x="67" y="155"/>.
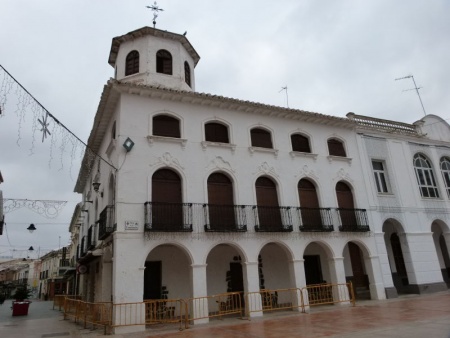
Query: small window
<point x="113" y="131"/>
<point x="445" y="168"/>
<point x="132" y="63"/>
<point x="216" y="132"/>
<point x="300" y="143"/>
<point x="187" y="73"/>
<point x="164" y="125"/>
<point x="261" y="138"/>
<point x="164" y="62"/>
<point x="380" y="176"/>
<point x="425" y="177"/>
<point x="336" y="148"/>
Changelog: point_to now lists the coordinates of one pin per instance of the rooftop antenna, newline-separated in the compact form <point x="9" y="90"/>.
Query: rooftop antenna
<point x="155" y="9"/>
<point x="415" y="88"/>
<point x="287" y="98"/>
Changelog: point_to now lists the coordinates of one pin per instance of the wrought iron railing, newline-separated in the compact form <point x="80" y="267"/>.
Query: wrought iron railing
<point x="91" y="238"/>
<point x="106" y="222"/>
<point x="83" y="247"/>
<point x="225" y="218"/>
<point x="315" y="219"/>
<point x="272" y="219"/>
<point x="353" y="220"/>
<point x="168" y="217"/>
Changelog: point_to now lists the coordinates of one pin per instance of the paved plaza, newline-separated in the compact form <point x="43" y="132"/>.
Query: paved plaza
<point x="408" y="316"/>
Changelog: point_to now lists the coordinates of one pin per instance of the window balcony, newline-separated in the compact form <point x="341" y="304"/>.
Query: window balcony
<point x="225" y="218"/>
<point x="106" y="222"/>
<point x="353" y="220"/>
<point x="315" y="219"/>
<point x="91" y="238"/>
<point x="168" y="217"/>
<point x="272" y="219"/>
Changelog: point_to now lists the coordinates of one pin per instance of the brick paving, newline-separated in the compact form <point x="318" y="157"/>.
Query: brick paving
<point x="408" y="316"/>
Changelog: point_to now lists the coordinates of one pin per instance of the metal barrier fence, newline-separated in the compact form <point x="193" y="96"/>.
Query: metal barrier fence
<point x="59" y="300"/>
<point x="215" y="306"/>
<point x="183" y="311"/>
<point x="86" y="312"/>
<point x="272" y="300"/>
<point x="321" y="294"/>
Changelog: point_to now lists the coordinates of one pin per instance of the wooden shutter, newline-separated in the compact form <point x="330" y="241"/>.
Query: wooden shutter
<point x="345" y="201"/>
<point x="216" y="132"/>
<point x="187" y="73"/>
<point x="164" y="125"/>
<point x="167" y="209"/>
<point x="164" y="62"/>
<point x="261" y="138"/>
<point x="220" y="200"/>
<point x="308" y="199"/>
<point x="132" y="63"/>
<point x="300" y="143"/>
<point x="267" y="200"/>
<point x="336" y="148"/>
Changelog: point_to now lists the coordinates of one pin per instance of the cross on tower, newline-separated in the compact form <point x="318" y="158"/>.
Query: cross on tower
<point x="155" y="9"/>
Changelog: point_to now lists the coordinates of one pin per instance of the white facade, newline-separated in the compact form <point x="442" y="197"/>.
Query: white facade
<point x="190" y="260"/>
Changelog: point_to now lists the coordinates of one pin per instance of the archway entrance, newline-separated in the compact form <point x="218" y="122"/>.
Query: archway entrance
<point x="355" y="270"/>
<point x="167" y="273"/>
<point x="316" y="264"/>
<point x="439" y="230"/>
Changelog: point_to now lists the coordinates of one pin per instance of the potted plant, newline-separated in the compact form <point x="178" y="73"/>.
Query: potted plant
<point x="21" y="303"/>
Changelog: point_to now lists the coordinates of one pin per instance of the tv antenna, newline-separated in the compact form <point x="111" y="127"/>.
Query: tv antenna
<point x="415" y="88"/>
<point x="287" y="98"/>
<point x="155" y="9"/>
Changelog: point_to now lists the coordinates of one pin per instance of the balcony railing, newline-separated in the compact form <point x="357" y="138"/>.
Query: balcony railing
<point x="91" y="238"/>
<point x="353" y="220"/>
<point x="225" y="218"/>
<point x="106" y="222"/>
<point x="272" y="219"/>
<point x="315" y="219"/>
<point x="83" y="247"/>
<point x="168" y="217"/>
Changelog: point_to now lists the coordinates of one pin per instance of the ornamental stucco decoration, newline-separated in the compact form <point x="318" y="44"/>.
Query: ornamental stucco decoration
<point x="307" y="172"/>
<point x="343" y="175"/>
<point x="219" y="163"/>
<point x="168" y="160"/>
<point x="265" y="168"/>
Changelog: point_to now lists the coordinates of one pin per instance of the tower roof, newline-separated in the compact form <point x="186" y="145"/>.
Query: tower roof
<point x="115" y="45"/>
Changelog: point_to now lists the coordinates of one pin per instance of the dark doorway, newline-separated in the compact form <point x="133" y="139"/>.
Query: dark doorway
<point x="360" y="280"/>
<point x="313" y="270"/>
<point x="400" y="278"/>
<point x="152" y="280"/>
<point x="237" y="280"/>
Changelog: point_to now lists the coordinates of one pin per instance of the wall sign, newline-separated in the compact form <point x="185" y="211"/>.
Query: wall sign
<point x="131" y="225"/>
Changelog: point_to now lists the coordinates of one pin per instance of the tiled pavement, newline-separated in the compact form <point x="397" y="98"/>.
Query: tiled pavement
<point x="408" y="316"/>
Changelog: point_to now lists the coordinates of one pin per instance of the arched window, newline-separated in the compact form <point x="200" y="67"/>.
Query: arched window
<point x="309" y="206"/>
<point x="164" y="125"/>
<point x="164" y="62"/>
<point x="269" y="214"/>
<point x="261" y="138"/>
<point x="300" y="143"/>
<point x="216" y="132"/>
<point x="336" y="148"/>
<point x="445" y="169"/>
<point x="132" y="63"/>
<point x="167" y="208"/>
<point x="187" y="73"/>
<point x="425" y="177"/>
<point x="220" y="202"/>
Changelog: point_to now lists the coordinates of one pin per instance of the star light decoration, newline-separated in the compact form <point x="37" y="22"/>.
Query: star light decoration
<point x="44" y="128"/>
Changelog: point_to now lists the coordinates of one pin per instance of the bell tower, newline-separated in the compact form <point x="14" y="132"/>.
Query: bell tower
<point x="154" y="57"/>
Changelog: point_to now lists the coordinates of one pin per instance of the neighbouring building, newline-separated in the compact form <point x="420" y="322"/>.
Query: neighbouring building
<point x="53" y="278"/>
<point x="197" y="194"/>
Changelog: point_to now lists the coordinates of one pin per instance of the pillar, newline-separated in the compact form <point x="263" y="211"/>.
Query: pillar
<point x="376" y="285"/>
<point x="199" y="305"/>
<point x="297" y="273"/>
<point x="253" y="302"/>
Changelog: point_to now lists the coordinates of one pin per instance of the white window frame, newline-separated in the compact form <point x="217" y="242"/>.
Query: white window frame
<point x="425" y="177"/>
<point x="445" y="170"/>
<point x="381" y="177"/>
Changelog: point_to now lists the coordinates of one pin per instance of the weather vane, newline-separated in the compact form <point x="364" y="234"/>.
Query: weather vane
<point x="287" y="98"/>
<point x="155" y="9"/>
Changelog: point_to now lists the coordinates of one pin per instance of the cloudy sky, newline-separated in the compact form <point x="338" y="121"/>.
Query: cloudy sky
<point x="334" y="57"/>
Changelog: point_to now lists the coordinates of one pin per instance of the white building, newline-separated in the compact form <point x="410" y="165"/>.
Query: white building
<point x="198" y="194"/>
